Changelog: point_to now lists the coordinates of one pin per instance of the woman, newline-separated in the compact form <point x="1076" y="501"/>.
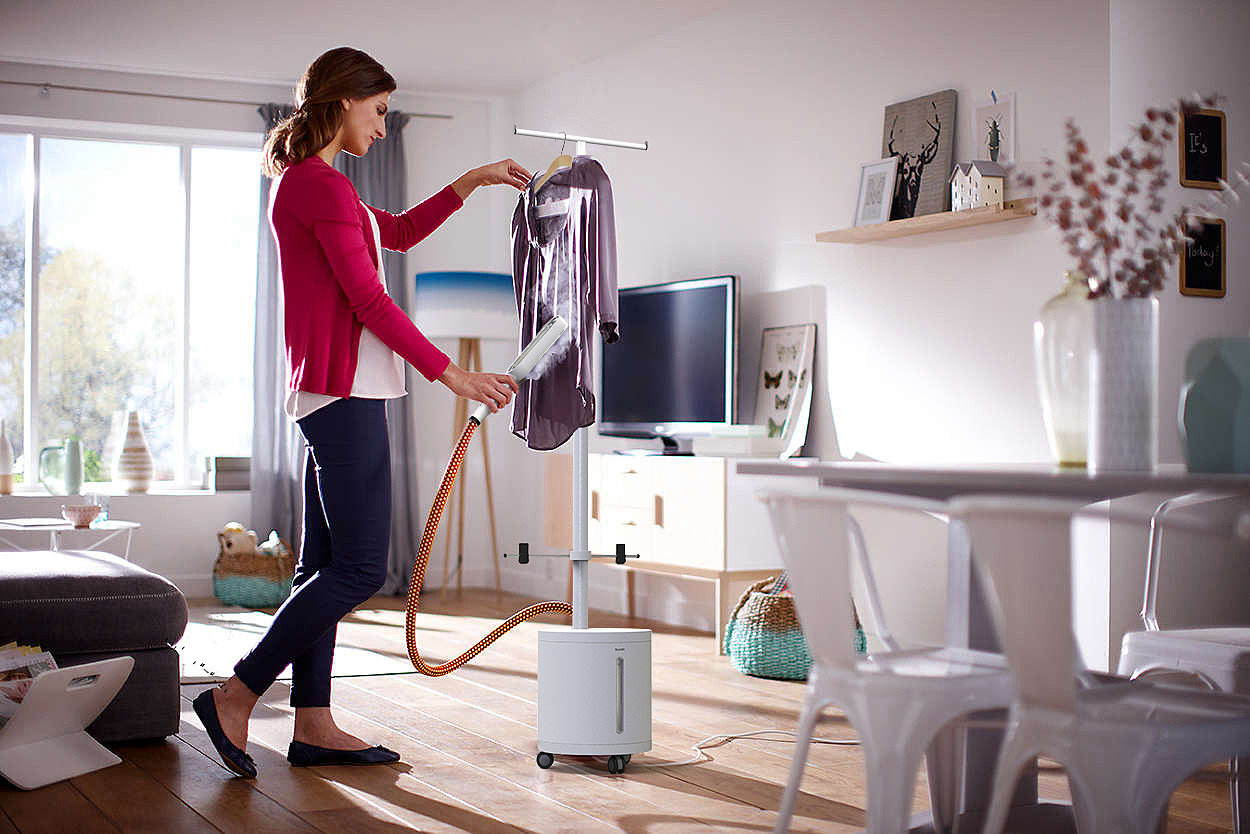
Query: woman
<point x="344" y="341"/>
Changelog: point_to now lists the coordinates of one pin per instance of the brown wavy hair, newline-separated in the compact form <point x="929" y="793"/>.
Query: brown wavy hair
<point x="340" y="73"/>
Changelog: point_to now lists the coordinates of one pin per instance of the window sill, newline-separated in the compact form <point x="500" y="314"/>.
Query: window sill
<point x="89" y="489"/>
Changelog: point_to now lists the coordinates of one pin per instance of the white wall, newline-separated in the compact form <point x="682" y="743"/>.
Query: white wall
<point x="1161" y="51"/>
<point x="177" y="539"/>
<point x="758" y="118"/>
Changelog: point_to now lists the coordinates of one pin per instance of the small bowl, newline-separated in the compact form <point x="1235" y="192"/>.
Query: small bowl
<point x="79" y="515"/>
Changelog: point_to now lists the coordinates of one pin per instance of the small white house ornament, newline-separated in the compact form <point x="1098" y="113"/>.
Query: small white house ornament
<point x="977" y="184"/>
<point x="986" y="181"/>
<point x="961" y="193"/>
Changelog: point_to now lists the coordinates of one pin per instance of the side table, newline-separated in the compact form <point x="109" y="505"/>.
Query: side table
<point x="56" y="528"/>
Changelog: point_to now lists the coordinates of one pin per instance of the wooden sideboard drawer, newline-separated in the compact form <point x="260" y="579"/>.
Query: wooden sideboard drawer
<point x="626" y="482"/>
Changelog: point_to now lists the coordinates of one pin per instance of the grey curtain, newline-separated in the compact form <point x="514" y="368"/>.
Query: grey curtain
<point x="380" y="177"/>
<point x="277" y="447"/>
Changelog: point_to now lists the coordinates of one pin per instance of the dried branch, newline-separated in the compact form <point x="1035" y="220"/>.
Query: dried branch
<point x="1111" y="216"/>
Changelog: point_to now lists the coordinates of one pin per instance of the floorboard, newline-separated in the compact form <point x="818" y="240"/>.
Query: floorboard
<point x="468" y="741"/>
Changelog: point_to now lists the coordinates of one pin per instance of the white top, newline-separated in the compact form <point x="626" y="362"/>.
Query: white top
<point x="379" y="370"/>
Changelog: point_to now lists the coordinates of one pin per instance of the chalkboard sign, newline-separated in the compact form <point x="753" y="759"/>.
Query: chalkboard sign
<point x="1202" y="262"/>
<point x="1202" y="157"/>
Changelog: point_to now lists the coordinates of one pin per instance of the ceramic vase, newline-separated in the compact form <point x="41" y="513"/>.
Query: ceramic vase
<point x="134" y="467"/>
<point x="1062" y="342"/>
<point x="1214" y="413"/>
<point x="1124" y="385"/>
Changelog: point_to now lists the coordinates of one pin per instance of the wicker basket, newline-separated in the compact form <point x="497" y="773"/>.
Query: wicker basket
<point x="763" y="637"/>
<point x="254" y="580"/>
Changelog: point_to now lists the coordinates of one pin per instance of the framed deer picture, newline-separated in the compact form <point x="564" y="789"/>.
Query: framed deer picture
<point x="921" y="133"/>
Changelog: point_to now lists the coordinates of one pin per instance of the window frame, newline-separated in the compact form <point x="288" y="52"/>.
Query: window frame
<point x="186" y="139"/>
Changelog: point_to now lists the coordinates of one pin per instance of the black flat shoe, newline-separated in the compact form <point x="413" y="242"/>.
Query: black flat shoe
<point x="234" y="759"/>
<point x="307" y="755"/>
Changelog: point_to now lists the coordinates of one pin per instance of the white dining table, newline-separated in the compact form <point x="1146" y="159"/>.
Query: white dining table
<point x="968" y="619"/>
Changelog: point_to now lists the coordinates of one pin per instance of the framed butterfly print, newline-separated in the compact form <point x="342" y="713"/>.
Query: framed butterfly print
<point x="784" y="398"/>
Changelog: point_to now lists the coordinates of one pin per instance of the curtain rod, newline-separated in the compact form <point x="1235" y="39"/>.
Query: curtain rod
<point x="45" y="87"/>
<point x="542" y="134"/>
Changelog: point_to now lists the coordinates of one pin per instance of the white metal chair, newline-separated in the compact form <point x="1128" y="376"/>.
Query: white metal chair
<point x="897" y="701"/>
<point x="1219" y="657"/>
<point x="1127" y="745"/>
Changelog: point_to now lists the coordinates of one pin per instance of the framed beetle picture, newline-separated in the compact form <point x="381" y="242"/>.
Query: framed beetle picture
<point x="1203" y="155"/>
<point x="1202" y="262"/>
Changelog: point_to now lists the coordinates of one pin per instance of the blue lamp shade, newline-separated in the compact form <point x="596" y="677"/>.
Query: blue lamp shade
<point x="465" y="305"/>
<point x="1215" y="406"/>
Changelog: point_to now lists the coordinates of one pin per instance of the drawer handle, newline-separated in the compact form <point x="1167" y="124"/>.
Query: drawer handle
<point x="594" y="504"/>
<point x="629" y="524"/>
<point x="630" y="472"/>
<point x="659" y="511"/>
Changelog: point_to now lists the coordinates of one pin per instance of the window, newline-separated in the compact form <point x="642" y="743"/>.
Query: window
<point x="143" y="298"/>
<point x="15" y="151"/>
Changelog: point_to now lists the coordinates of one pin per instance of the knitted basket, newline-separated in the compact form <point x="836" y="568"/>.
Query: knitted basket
<point x="763" y="637"/>
<point x="254" y="580"/>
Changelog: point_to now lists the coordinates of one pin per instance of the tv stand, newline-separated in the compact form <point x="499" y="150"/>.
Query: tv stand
<point x="672" y="446"/>
<point x="691" y="518"/>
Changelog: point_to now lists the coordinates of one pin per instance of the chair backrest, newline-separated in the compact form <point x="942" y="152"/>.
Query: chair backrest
<point x="1025" y="545"/>
<point x="814" y="533"/>
<point x="1230" y="505"/>
<point x="812" y="537"/>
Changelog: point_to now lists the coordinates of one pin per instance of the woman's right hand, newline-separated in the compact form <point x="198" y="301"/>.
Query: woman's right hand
<point x="495" y="390"/>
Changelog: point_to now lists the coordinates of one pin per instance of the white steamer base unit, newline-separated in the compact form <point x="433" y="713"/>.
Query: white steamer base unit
<point x="594" y="693"/>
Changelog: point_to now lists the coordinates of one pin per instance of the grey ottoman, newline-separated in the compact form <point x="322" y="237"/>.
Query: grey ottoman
<point x="86" y="605"/>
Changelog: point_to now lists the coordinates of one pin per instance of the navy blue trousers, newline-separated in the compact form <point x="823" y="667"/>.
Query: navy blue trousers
<point x="343" y="552"/>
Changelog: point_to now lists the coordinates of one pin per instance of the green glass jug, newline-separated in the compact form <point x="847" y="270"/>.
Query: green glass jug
<point x="60" y="467"/>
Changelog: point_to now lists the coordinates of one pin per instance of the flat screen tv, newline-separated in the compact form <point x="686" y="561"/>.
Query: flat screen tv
<point x="673" y="374"/>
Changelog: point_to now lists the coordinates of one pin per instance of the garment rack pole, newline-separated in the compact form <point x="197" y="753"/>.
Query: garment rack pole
<point x="579" y="555"/>
<point x="546" y="134"/>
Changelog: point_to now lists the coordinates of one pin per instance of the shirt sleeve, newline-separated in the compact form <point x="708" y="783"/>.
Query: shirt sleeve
<point x="336" y="225"/>
<point x="401" y="232"/>
<point x="602" y="256"/>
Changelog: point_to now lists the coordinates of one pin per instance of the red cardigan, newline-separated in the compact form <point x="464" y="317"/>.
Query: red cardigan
<point x="331" y="291"/>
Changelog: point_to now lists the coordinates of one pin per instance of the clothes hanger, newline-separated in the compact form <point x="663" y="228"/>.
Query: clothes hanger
<point x="561" y="161"/>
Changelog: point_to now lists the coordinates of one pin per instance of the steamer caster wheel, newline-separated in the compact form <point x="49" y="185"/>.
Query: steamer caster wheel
<point x="616" y="764"/>
<point x="545" y="760"/>
<point x="627" y="758"/>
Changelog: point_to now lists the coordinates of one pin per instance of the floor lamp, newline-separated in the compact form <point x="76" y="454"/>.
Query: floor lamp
<point x="469" y="307"/>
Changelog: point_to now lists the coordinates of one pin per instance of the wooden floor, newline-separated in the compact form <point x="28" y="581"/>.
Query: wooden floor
<point x="468" y="745"/>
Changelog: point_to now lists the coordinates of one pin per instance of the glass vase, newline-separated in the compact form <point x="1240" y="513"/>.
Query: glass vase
<point x="1062" y="344"/>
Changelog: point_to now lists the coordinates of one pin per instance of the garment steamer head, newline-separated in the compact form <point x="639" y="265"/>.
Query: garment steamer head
<point x="524" y="364"/>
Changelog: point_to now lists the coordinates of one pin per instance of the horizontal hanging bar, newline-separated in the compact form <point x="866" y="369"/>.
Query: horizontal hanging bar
<point x="45" y="87"/>
<point x="543" y="134"/>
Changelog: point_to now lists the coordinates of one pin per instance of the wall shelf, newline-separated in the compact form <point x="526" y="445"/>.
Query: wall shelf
<point x="941" y="221"/>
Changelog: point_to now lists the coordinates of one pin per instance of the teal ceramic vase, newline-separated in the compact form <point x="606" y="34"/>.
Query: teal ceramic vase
<point x="1214" y="413"/>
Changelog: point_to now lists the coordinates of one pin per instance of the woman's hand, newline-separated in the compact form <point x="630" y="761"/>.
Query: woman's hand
<point x="504" y="172"/>
<point x="495" y="390"/>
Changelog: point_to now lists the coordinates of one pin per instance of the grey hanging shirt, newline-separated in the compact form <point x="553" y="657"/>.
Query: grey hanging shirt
<point x="563" y="261"/>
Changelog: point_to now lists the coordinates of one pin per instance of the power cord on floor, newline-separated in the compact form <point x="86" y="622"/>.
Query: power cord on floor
<point x="725" y="738"/>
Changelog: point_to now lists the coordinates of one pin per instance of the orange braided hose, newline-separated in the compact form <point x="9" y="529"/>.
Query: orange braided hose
<point x="418" y="576"/>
